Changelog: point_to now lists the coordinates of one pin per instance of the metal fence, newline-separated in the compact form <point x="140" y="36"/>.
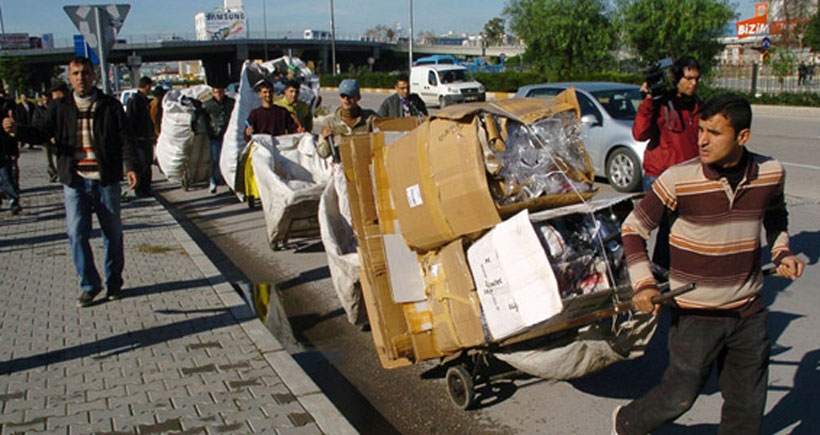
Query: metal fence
<point x="759" y="79"/>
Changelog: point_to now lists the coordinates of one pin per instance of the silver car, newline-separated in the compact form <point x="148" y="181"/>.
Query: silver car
<point x="607" y="113"/>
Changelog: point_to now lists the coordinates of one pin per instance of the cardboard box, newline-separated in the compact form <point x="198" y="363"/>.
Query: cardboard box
<point x="404" y="123"/>
<point x="513" y="277"/>
<point x="454" y="304"/>
<point x="438" y="178"/>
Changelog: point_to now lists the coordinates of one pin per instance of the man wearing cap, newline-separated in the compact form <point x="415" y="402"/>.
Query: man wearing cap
<point x="348" y="119"/>
<point x="269" y="118"/>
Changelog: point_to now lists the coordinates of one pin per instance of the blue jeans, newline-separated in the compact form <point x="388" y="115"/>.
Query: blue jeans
<point x="82" y="198"/>
<point x="7" y="183"/>
<point x="216" y="150"/>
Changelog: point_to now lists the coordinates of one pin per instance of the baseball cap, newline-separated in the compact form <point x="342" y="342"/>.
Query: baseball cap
<point x="349" y="87"/>
<point x="262" y="83"/>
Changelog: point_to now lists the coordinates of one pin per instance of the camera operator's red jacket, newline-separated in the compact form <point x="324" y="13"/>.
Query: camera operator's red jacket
<point x="670" y="125"/>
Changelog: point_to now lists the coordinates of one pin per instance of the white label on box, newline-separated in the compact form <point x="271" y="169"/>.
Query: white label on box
<point x="414" y="196"/>
<point x="406" y="279"/>
<point x="514" y="280"/>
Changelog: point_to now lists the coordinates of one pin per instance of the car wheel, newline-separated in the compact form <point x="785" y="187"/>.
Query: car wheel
<point x="441" y="102"/>
<point x="623" y="170"/>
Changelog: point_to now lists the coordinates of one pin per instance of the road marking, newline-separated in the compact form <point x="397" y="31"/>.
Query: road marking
<point x="798" y="165"/>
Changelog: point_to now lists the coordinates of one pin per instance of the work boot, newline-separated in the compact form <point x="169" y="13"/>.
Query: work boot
<point x="87" y="297"/>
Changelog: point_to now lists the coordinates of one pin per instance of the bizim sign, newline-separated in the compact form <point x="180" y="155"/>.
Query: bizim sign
<point x="221" y="25"/>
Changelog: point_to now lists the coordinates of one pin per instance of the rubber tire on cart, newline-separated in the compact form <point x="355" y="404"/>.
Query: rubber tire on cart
<point x="460" y="387"/>
<point x="185" y="183"/>
<point x="442" y="102"/>
<point x="251" y="201"/>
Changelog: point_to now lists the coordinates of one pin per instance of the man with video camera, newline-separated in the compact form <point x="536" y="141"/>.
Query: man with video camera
<point x="668" y="119"/>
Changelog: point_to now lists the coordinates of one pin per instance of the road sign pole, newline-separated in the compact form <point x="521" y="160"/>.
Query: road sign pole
<point x="101" y="53"/>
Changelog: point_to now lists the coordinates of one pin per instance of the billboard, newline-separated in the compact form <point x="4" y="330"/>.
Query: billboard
<point x="219" y="25"/>
<point x="752" y="27"/>
<point x="14" y="41"/>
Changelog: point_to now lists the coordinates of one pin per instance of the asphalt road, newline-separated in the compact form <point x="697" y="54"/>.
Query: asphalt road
<point x="413" y="400"/>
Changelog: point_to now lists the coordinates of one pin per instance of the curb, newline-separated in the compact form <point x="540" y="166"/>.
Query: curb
<point x="329" y="419"/>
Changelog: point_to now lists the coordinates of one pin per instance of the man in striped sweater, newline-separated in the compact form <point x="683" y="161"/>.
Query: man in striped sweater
<point x="718" y="203"/>
<point x="93" y="141"/>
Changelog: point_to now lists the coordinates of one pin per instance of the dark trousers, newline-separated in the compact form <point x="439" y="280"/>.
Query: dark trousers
<point x="739" y="346"/>
<point x="145" y="155"/>
<point x="7" y="185"/>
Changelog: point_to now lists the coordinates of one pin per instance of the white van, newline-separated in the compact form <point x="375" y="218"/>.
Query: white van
<point x="442" y="85"/>
<point x="316" y="34"/>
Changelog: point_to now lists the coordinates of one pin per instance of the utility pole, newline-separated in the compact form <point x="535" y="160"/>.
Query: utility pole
<point x="410" y="39"/>
<point x="332" y="40"/>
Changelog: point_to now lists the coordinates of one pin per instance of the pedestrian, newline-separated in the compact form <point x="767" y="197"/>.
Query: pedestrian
<point x="155" y="109"/>
<point x="268" y="118"/>
<point x="23" y="114"/>
<point x="402" y="103"/>
<point x="348" y="119"/>
<point x="8" y="148"/>
<point x="801" y="74"/>
<point x="669" y="122"/>
<point x="218" y="111"/>
<point x="93" y="142"/>
<point x="57" y="92"/>
<point x="299" y="110"/>
<point x="139" y="116"/>
<point x="722" y="201"/>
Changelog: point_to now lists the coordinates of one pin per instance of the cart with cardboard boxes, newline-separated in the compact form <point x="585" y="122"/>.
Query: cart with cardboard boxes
<point x="478" y="236"/>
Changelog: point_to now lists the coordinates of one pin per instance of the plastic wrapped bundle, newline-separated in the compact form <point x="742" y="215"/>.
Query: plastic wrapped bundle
<point x="178" y="155"/>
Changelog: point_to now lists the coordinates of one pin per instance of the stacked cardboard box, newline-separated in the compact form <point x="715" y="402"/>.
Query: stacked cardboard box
<point x="435" y="279"/>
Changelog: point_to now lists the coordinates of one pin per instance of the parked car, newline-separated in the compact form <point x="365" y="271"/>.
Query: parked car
<point x="607" y="113"/>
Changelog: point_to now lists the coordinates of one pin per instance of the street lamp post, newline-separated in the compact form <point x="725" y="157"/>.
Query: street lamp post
<point x="332" y="40"/>
<point x="265" y="26"/>
<point x="410" y="39"/>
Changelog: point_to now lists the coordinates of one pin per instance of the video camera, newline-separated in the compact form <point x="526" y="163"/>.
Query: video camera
<point x="657" y="77"/>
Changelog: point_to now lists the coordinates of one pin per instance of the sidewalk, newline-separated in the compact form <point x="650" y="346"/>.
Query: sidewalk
<point x="181" y="352"/>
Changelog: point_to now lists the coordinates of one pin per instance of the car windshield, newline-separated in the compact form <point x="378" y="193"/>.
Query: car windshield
<point x="453" y="75"/>
<point x="620" y="103"/>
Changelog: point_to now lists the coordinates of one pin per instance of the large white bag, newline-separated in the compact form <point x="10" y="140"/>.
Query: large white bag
<point x="176" y="151"/>
<point x="230" y="163"/>
<point x="340" y="245"/>
<point x="290" y="177"/>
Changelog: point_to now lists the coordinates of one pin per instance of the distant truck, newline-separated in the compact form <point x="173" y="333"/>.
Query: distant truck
<point x="316" y="34"/>
<point x="445" y="84"/>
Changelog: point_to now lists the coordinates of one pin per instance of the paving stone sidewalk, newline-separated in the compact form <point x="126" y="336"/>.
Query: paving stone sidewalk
<point x="180" y="353"/>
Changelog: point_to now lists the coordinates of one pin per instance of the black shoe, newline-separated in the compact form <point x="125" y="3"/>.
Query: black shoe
<point x="113" y="294"/>
<point x="16" y="209"/>
<point x="86" y="298"/>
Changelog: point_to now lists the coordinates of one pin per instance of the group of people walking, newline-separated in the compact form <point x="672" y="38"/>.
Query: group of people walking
<point x="708" y="196"/>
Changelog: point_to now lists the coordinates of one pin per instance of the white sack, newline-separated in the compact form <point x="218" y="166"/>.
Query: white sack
<point x="340" y="245"/>
<point x="290" y="177"/>
<point x="592" y="350"/>
<point x="175" y="142"/>
<point x="230" y="163"/>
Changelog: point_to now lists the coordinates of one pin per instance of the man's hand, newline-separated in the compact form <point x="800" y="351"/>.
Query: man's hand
<point x="643" y="301"/>
<point x="326" y="132"/>
<point x="248" y="131"/>
<point x="131" y="176"/>
<point x="790" y="267"/>
<point x="9" y="126"/>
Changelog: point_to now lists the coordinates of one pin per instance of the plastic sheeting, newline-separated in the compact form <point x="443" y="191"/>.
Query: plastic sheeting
<point x="591" y="350"/>
<point x="179" y="155"/>
<point x="340" y="245"/>
<point x="233" y="143"/>
<point x="290" y="176"/>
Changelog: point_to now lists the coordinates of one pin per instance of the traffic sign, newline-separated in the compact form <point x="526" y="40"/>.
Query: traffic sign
<point x="98" y="22"/>
<point x="766" y="43"/>
<point x="82" y="49"/>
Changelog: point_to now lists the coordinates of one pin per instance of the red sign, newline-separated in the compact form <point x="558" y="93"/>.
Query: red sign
<point x="12" y="41"/>
<point x="752" y="27"/>
<point x="761" y="9"/>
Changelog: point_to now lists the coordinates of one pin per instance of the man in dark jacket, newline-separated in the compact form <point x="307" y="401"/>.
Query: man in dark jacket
<point x="218" y="110"/>
<point x="670" y="123"/>
<point x="93" y="141"/>
<point x="402" y="103"/>
<point x="139" y="115"/>
<point x="8" y="148"/>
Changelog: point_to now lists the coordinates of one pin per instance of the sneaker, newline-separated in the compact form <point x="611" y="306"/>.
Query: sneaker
<point x="113" y="294"/>
<point x="86" y="298"/>
<point x="615" y="419"/>
<point x="212" y="188"/>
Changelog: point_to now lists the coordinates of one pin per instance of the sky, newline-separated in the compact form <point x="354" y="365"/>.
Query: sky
<point x="352" y="17"/>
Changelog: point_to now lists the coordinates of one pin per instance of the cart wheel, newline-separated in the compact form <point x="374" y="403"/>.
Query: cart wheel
<point x="185" y="184"/>
<point x="251" y="201"/>
<point x="460" y="386"/>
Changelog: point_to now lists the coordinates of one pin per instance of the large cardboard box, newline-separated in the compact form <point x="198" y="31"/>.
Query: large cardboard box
<point x="453" y="301"/>
<point x="513" y="277"/>
<point x="438" y="178"/>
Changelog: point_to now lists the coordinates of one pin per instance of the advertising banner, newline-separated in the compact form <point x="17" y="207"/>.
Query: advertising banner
<point x="225" y="25"/>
